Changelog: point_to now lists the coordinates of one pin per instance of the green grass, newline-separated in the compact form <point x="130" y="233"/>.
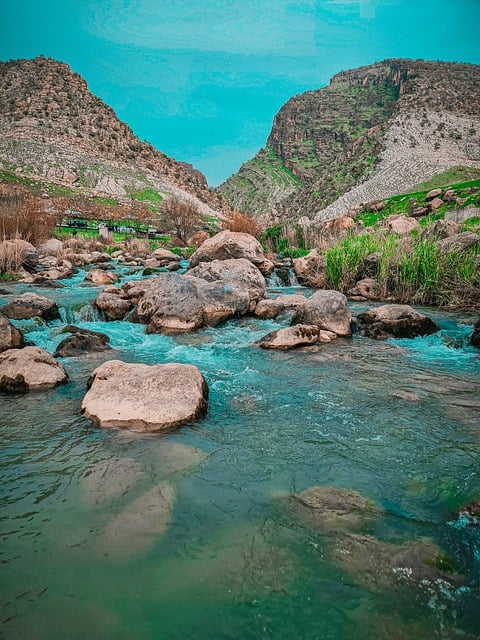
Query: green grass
<point x="149" y="196"/>
<point x="423" y="275"/>
<point x="452" y="176"/>
<point x="102" y="200"/>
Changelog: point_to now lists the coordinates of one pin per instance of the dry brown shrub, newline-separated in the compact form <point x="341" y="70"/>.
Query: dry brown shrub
<point x="11" y="255"/>
<point x="25" y="216"/>
<point x="183" y="216"/>
<point x="242" y="223"/>
<point x="138" y="247"/>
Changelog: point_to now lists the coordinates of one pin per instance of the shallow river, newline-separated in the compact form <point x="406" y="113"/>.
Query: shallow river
<point x="397" y="421"/>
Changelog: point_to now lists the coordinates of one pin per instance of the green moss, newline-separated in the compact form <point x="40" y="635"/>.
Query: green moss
<point x="443" y="563"/>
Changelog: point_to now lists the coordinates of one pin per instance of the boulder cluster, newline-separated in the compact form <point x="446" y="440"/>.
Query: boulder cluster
<point x="225" y="279"/>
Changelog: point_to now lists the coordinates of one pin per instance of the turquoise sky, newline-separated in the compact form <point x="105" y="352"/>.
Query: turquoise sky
<point x="203" y="79"/>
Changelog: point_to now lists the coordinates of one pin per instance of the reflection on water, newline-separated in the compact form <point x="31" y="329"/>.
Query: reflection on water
<point x="106" y="534"/>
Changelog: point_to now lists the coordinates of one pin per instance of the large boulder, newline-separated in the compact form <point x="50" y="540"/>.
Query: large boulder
<point x="327" y="310"/>
<point x="143" y="398"/>
<point x="31" y="305"/>
<point x="240" y="273"/>
<point x="440" y="230"/>
<point x="81" y="341"/>
<point x="30" y="369"/>
<point x="394" y="320"/>
<point x="165" y="254"/>
<point x="112" y="305"/>
<point x="172" y="303"/>
<point x="475" y="337"/>
<point x="300" y="335"/>
<point x="310" y="270"/>
<point x="400" y="224"/>
<point x="10" y="336"/>
<point x="51" y="247"/>
<point x="268" y="309"/>
<point x="230" y="244"/>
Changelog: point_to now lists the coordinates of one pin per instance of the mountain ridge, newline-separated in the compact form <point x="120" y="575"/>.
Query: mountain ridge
<point x="54" y="129"/>
<point x="372" y="132"/>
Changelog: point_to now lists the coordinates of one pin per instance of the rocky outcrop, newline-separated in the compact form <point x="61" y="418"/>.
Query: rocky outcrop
<point x="310" y="270"/>
<point x="80" y="342"/>
<point x="172" y="303"/>
<point x="300" y="335"/>
<point x="394" y="320"/>
<point x="10" y="336"/>
<point x="231" y="244"/>
<point x="51" y="247"/>
<point x="327" y="310"/>
<point x="145" y="398"/>
<point x="31" y="305"/>
<point x="30" y="369"/>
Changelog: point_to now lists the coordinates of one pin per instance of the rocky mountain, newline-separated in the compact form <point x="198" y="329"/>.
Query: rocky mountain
<point x="373" y="132"/>
<point x="56" y="131"/>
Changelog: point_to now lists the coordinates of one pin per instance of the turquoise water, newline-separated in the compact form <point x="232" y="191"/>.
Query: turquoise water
<point x="397" y="421"/>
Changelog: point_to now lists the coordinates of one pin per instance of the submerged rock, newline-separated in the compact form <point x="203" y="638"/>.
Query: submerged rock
<point x="381" y="565"/>
<point x="394" y="320"/>
<point x="470" y="512"/>
<point x="230" y="244"/>
<point x="30" y="369"/>
<point x="299" y="335"/>
<point x="332" y="509"/>
<point x="10" y="336"/>
<point x="30" y="305"/>
<point x="145" y="398"/>
<point x="327" y="310"/>
<point x="110" y="479"/>
<point x="80" y="342"/>
<point x="140" y="523"/>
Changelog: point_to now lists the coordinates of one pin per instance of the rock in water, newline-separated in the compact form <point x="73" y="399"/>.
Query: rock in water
<point x="30" y="369"/>
<point x="394" y="320"/>
<point x="31" y="305"/>
<point x="300" y="335"/>
<point x="81" y="341"/>
<point x="232" y="244"/>
<point x="10" y="336"/>
<point x="475" y="338"/>
<point x="145" y="398"/>
<point x="381" y="565"/>
<point x="113" y="306"/>
<point x="110" y="479"/>
<point x="136" y="527"/>
<point x="331" y="509"/>
<point x="328" y="310"/>
<point x="240" y="273"/>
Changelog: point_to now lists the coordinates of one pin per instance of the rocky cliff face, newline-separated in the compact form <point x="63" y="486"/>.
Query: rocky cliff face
<point x="374" y="131"/>
<point x="54" y="129"/>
